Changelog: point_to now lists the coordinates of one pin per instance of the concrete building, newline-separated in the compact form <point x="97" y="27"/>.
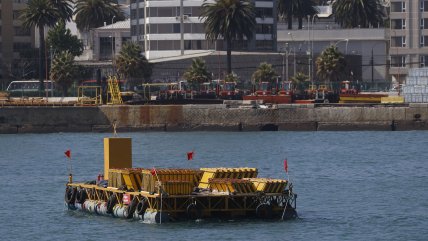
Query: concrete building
<point x="108" y="40"/>
<point x="14" y="40"/>
<point x="408" y="36"/>
<point x="168" y="28"/>
<point x="365" y="49"/>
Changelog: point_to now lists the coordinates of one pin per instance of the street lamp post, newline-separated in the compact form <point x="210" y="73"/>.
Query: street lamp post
<point x="112" y="44"/>
<point x="346" y="46"/>
<point x="311" y="59"/>
<point x="285" y="62"/>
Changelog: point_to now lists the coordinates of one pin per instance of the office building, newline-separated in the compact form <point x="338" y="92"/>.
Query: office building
<point x="15" y="42"/>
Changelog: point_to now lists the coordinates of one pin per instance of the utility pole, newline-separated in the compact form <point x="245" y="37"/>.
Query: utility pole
<point x="372" y="63"/>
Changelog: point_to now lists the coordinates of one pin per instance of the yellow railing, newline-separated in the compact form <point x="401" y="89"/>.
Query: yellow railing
<point x="113" y="97"/>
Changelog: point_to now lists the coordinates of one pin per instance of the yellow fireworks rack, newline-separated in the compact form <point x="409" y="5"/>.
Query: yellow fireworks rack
<point x="268" y="185"/>
<point x="234" y="173"/>
<point x="173" y="181"/>
<point x="131" y="177"/>
<point x="231" y="185"/>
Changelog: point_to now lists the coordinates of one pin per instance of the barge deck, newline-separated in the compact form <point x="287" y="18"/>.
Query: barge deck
<point x="164" y="195"/>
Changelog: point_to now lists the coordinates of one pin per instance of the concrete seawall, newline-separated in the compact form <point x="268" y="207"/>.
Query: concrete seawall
<point x="22" y="119"/>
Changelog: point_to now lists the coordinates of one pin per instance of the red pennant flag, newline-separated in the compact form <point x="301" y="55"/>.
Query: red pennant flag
<point x="286" y="165"/>
<point x="190" y="155"/>
<point x="68" y="153"/>
<point x="153" y="171"/>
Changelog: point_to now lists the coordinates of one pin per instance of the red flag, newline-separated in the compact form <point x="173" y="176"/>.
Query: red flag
<point x="153" y="171"/>
<point x="190" y="155"/>
<point x="68" y="153"/>
<point x="286" y="165"/>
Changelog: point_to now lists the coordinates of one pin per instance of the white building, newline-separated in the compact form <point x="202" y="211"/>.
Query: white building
<point x="167" y="28"/>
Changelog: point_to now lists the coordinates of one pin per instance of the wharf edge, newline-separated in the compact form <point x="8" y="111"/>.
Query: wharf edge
<point x="216" y="117"/>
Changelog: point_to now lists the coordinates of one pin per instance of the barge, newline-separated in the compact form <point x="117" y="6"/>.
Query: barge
<point x="159" y="195"/>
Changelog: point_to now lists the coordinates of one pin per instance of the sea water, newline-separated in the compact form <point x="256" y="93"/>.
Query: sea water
<point x="350" y="185"/>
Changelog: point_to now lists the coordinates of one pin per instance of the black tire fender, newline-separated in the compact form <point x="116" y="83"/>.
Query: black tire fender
<point x="70" y="195"/>
<point x="264" y="211"/>
<point x="142" y="206"/>
<point x="131" y="208"/>
<point x="194" y="212"/>
<point x="112" y="200"/>
<point x="81" y="196"/>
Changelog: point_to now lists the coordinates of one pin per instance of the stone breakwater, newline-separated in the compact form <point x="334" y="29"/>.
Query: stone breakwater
<point x="39" y="119"/>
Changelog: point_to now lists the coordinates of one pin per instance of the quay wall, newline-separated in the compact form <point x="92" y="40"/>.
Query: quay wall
<point x="43" y="119"/>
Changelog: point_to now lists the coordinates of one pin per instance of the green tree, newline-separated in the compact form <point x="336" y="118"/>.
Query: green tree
<point x="358" y="13"/>
<point x="42" y="13"/>
<point x="230" y="20"/>
<point x="299" y="81"/>
<point x="231" y="78"/>
<point x="331" y="65"/>
<point x="61" y="39"/>
<point x="197" y="73"/>
<point x="64" y="8"/>
<point x="296" y="8"/>
<point x="63" y="70"/>
<point x="131" y="64"/>
<point x="264" y="73"/>
<point x="93" y="13"/>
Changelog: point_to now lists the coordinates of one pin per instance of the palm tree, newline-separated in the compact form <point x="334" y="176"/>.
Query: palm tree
<point x="296" y="8"/>
<point x="264" y="73"/>
<point x="299" y="81"/>
<point x="303" y="9"/>
<point x="64" y="8"/>
<point x="285" y="10"/>
<point x="358" y="13"/>
<point x="230" y="20"/>
<point x="197" y="73"/>
<point x="130" y="63"/>
<point x="41" y="13"/>
<point x="331" y="65"/>
<point x="63" y="70"/>
<point x="93" y="13"/>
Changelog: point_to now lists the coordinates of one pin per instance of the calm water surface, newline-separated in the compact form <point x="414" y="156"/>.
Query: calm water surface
<point x="351" y="185"/>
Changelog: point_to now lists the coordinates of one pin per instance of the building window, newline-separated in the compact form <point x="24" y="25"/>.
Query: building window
<point x="18" y="46"/>
<point x="152" y="12"/>
<point x="423" y="61"/>
<point x="398" y="41"/>
<point x="20" y="31"/>
<point x="264" y="44"/>
<point x="264" y="28"/>
<point x="264" y="12"/>
<point x="424" y="23"/>
<point x="424" y="6"/>
<point x="15" y="14"/>
<point x="424" y="41"/>
<point x="398" y="23"/>
<point x="398" y="6"/>
<point x="176" y="28"/>
<point x="398" y="61"/>
<point x="166" y="12"/>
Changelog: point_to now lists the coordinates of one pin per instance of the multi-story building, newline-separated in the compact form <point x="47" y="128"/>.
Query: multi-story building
<point x="408" y="36"/>
<point x="167" y="28"/>
<point x="365" y="49"/>
<point x="14" y="41"/>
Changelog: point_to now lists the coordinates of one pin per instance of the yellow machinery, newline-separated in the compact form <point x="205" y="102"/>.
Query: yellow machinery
<point x="94" y="98"/>
<point x="113" y="96"/>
